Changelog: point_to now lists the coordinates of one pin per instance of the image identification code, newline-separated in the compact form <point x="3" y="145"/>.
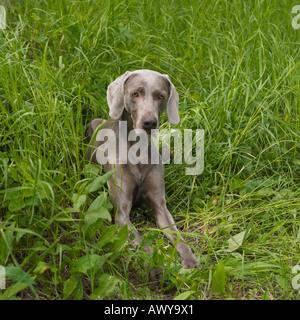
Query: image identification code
<point x="154" y="309"/>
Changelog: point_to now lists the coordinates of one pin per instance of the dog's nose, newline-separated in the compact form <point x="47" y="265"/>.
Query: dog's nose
<point x="149" y="123"/>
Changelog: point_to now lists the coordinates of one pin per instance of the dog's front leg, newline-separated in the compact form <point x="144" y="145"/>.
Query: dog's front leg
<point x="155" y="196"/>
<point x="121" y="192"/>
<point x="166" y="222"/>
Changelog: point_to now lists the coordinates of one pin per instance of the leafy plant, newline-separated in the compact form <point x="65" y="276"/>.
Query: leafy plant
<point x="218" y="278"/>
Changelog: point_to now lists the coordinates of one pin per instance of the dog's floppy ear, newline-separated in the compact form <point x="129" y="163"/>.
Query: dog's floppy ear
<point x="173" y="103"/>
<point x="115" y="96"/>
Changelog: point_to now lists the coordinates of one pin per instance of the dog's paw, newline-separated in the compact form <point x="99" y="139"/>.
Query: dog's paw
<point x="190" y="262"/>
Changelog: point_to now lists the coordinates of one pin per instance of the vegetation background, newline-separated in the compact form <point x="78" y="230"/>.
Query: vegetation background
<point x="235" y="65"/>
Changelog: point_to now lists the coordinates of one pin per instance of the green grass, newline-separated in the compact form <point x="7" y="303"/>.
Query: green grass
<point x="235" y="65"/>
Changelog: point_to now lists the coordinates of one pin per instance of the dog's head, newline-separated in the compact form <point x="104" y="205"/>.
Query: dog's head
<point x="144" y="94"/>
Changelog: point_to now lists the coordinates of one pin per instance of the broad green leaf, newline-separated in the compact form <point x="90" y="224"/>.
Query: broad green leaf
<point x="122" y="235"/>
<point x="282" y="282"/>
<point x="93" y="215"/>
<point x="106" y="241"/>
<point x="107" y="287"/>
<point x="108" y="232"/>
<point x="87" y="263"/>
<point x="16" y="204"/>
<point x="19" y="275"/>
<point x="22" y="279"/>
<point x="236" y="241"/>
<point x="99" y="202"/>
<point x="73" y="287"/>
<point x="98" y="182"/>
<point x="108" y="235"/>
<point x="78" y="201"/>
<point x="218" y="278"/>
<point x="91" y="170"/>
<point x="33" y="201"/>
<point x="12" y="193"/>
<point x="184" y="295"/>
<point x="237" y="184"/>
<point x="12" y="290"/>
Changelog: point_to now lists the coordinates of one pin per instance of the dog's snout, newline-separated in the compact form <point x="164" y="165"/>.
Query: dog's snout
<point x="149" y="123"/>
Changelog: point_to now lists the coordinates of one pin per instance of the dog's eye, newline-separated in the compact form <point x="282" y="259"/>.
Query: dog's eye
<point x="161" y="97"/>
<point x="135" y="94"/>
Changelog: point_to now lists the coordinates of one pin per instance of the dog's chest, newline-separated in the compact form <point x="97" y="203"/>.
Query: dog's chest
<point x="140" y="171"/>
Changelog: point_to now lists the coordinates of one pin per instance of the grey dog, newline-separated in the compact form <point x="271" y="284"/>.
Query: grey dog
<point x="139" y="98"/>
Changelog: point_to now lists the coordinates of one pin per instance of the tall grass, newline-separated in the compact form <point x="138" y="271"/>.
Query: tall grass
<point x="236" y="67"/>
